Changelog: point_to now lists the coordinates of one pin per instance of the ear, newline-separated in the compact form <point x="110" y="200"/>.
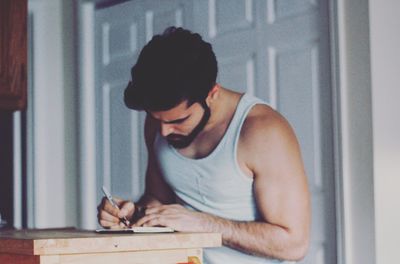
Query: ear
<point x="213" y="94"/>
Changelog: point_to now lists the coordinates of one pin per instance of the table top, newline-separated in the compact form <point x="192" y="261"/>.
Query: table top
<point x="72" y="241"/>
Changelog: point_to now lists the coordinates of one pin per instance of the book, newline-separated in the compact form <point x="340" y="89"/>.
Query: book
<point x="136" y="229"/>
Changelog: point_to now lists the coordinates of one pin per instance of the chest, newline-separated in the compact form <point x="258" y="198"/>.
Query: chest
<point x="205" y="146"/>
<point x="205" y="143"/>
<point x="217" y="177"/>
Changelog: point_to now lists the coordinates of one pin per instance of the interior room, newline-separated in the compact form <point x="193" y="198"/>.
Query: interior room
<point x="331" y="67"/>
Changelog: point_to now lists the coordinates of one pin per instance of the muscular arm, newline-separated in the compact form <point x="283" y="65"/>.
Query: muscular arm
<point x="268" y="150"/>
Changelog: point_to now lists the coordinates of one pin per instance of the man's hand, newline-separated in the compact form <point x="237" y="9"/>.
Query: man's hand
<point x="109" y="216"/>
<point x="175" y="216"/>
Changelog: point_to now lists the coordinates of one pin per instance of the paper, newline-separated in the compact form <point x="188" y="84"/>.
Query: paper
<point x="137" y="229"/>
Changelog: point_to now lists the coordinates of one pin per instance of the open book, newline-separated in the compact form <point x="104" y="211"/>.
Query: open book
<point x="137" y="229"/>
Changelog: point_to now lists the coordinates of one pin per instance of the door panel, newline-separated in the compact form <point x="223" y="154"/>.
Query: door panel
<point x="121" y="31"/>
<point x="276" y="50"/>
<point x="228" y="16"/>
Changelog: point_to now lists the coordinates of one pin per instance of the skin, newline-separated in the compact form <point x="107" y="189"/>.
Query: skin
<point x="268" y="152"/>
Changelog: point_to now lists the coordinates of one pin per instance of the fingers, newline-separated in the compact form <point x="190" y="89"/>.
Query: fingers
<point x="143" y="220"/>
<point x="152" y="220"/>
<point x="107" y="206"/>
<point x="127" y="208"/>
<point x="118" y="201"/>
<point x="104" y="215"/>
<point x="112" y="225"/>
<point x="156" y="221"/>
<point x="109" y="216"/>
<point x="107" y="224"/>
<point x="106" y="219"/>
<point x="158" y="215"/>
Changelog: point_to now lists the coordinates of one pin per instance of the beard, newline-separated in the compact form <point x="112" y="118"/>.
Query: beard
<point x="180" y="141"/>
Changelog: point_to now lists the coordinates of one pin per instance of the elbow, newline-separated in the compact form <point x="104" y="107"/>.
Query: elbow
<point x="298" y="250"/>
<point x="291" y="251"/>
<point x="294" y="247"/>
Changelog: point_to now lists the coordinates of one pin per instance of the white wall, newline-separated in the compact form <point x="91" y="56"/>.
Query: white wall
<point x="385" y="75"/>
<point x="52" y="192"/>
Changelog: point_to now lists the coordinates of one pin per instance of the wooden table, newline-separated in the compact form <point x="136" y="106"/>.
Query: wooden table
<point x="54" y="246"/>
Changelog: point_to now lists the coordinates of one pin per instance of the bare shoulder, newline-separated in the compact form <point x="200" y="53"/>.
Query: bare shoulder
<point x="263" y="123"/>
<point x="266" y="136"/>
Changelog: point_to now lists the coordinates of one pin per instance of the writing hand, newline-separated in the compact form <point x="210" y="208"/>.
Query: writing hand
<point x="109" y="216"/>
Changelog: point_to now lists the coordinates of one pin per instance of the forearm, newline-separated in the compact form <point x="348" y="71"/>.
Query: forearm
<point x="258" y="238"/>
<point x="148" y="200"/>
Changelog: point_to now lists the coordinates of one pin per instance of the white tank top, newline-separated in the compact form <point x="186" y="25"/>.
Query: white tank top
<point x="215" y="184"/>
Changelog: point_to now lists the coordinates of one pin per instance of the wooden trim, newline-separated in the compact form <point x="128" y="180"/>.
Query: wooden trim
<point x="19" y="259"/>
<point x="148" y="257"/>
<point x="72" y="241"/>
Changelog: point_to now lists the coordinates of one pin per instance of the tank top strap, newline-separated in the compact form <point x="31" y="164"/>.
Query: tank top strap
<point x="246" y="103"/>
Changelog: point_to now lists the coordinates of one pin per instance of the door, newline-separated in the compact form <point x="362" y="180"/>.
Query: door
<point x="276" y="50"/>
<point x="121" y="30"/>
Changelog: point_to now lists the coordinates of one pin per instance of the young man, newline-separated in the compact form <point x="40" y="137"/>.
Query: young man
<point x="219" y="161"/>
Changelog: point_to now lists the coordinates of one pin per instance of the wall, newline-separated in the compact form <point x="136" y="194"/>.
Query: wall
<point x="52" y="200"/>
<point x="385" y="76"/>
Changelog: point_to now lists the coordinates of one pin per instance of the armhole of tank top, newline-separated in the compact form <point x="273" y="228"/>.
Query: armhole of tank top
<point x="236" y="142"/>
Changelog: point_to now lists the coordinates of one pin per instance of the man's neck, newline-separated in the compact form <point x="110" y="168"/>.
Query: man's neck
<point x="222" y="108"/>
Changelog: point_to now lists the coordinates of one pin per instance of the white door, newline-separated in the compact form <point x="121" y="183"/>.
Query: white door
<point x="275" y="49"/>
<point x="121" y="30"/>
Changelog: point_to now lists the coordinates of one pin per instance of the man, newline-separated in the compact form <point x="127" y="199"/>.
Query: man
<point x="219" y="161"/>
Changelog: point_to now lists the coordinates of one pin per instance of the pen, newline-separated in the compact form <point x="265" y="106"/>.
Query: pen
<point x="111" y="200"/>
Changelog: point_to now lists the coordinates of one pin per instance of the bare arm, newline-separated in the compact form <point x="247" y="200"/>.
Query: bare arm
<point x="157" y="192"/>
<point x="268" y="149"/>
<point x="271" y="151"/>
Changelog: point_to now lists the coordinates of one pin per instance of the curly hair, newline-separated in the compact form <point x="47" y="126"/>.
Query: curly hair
<point x="174" y="66"/>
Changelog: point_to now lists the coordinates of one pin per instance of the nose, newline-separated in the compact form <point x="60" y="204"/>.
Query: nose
<point x="166" y="129"/>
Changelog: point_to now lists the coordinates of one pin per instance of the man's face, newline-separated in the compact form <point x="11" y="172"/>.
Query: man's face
<point x="181" y="124"/>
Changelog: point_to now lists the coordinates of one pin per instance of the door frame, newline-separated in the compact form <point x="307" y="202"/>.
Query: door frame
<point x="353" y="154"/>
<point x="87" y="106"/>
<point x="50" y="140"/>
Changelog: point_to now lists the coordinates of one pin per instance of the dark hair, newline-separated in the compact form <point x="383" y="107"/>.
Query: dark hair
<point x="175" y="66"/>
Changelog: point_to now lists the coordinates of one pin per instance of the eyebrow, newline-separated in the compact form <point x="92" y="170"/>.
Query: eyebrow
<point x="176" y="121"/>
